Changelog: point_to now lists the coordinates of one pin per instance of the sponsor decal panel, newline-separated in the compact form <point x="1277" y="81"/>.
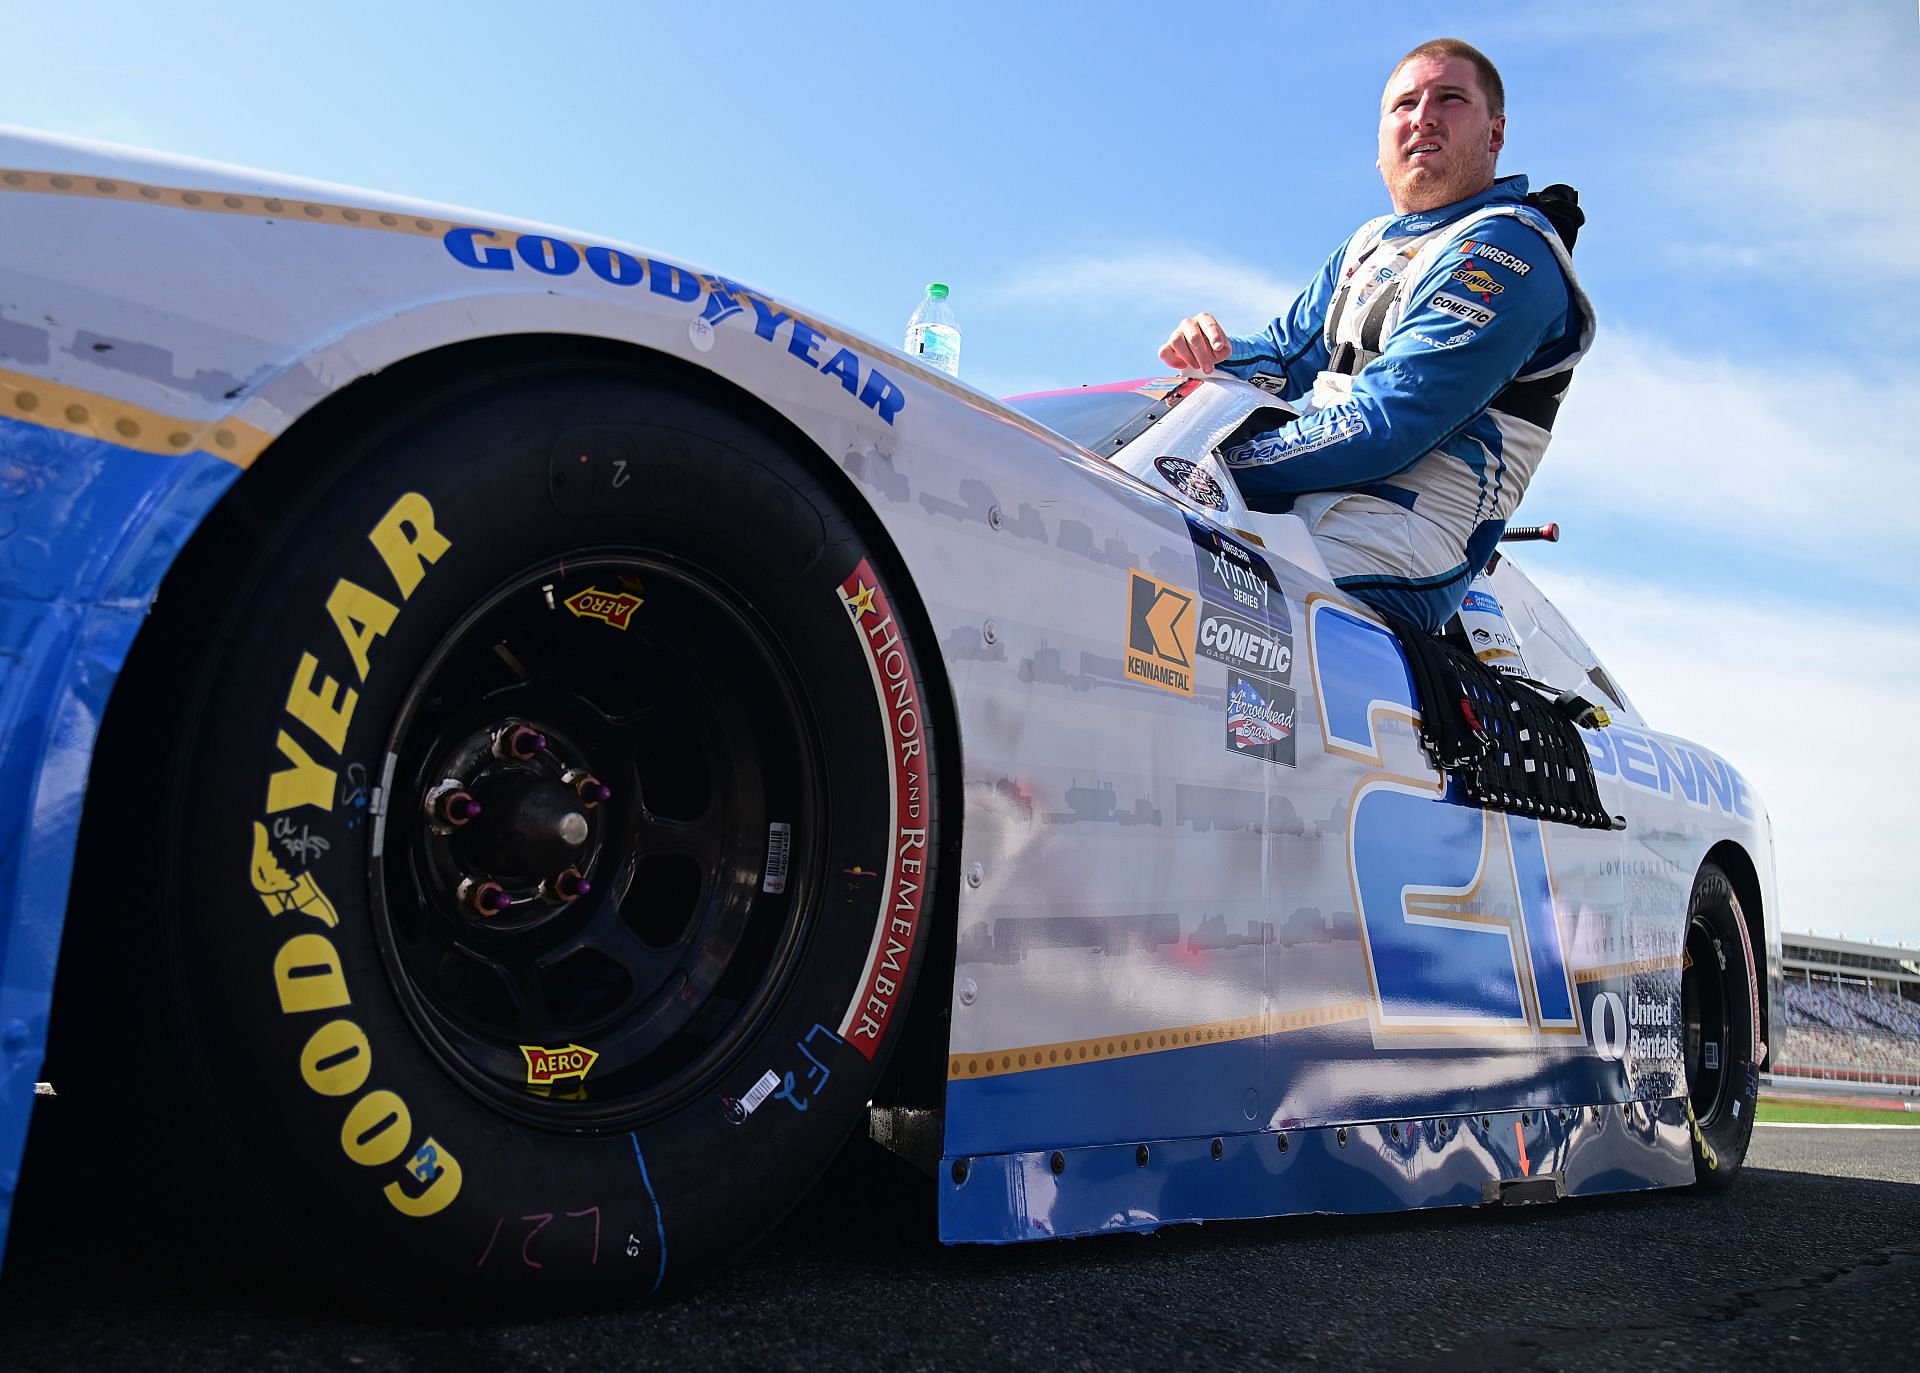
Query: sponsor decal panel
<point x="613" y="608"/>
<point x="1260" y="719"/>
<point x="903" y="890"/>
<point x="1191" y="481"/>
<point x="1160" y="633"/>
<point x="1476" y="315"/>
<point x="1245" y="645"/>
<point x="1234" y="576"/>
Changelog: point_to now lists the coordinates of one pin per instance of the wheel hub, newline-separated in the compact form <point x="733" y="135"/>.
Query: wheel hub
<point x="574" y="847"/>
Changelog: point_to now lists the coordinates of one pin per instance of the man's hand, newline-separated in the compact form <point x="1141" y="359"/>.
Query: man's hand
<point x="1197" y="344"/>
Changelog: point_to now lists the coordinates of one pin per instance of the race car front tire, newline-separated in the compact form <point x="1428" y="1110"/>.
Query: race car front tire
<point x="1720" y="1007"/>
<point x="530" y="791"/>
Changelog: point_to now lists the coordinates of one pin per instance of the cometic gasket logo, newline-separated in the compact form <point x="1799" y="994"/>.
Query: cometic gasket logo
<point x="1160" y="633"/>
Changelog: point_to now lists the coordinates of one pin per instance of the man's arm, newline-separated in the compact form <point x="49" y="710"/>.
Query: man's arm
<point x="1454" y="350"/>
<point x="1292" y="346"/>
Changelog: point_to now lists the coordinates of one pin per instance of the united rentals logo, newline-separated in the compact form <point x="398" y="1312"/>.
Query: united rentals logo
<point x="609" y="607"/>
<point x="1160" y="634"/>
<point x="547" y="1066"/>
<point x="1478" y="282"/>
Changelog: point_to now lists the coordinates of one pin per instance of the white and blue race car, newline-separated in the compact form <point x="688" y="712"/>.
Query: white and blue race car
<point x="514" y="747"/>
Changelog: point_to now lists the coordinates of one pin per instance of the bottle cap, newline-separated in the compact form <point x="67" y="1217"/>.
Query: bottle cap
<point x="937" y="290"/>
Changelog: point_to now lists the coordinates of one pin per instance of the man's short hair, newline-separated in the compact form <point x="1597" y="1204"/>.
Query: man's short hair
<point x="1490" y="84"/>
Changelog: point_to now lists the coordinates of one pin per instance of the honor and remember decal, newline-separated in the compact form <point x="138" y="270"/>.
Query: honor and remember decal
<point x="904" y="887"/>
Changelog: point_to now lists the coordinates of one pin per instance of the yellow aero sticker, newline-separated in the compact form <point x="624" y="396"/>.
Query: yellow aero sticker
<point x="548" y="1066"/>
<point x="613" y="608"/>
<point x="1028" y="1058"/>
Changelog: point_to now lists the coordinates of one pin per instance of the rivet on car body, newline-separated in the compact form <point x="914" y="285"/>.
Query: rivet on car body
<point x="989" y="633"/>
<point x="959" y="1171"/>
<point x="1283" y="1141"/>
<point x="1218" y="1149"/>
<point x="1342" y="1136"/>
<point x="994" y="518"/>
<point x="1058" y="1162"/>
<point x="1140" y="1156"/>
<point x="1394" y="1130"/>
<point x="975" y="875"/>
<point x="968" y="991"/>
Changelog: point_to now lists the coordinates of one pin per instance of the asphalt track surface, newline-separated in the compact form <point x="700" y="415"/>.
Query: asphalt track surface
<point x="1812" y="1261"/>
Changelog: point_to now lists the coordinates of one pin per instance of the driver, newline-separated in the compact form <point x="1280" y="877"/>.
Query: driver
<point x="1426" y="359"/>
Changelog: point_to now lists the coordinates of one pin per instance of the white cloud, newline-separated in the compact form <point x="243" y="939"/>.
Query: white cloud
<point x="1814" y="706"/>
<point x="1172" y="282"/>
<point x="1819" y="463"/>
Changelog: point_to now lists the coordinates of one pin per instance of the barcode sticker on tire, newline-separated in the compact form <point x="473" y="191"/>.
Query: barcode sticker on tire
<point x="779" y="844"/>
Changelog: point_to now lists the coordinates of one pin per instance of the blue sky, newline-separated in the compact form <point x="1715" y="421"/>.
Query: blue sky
<point x="1735" y="469"/>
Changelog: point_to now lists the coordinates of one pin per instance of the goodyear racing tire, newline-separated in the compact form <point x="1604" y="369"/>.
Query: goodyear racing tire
<point x="1720" y="1007"/>
<point x="539" y="794"/>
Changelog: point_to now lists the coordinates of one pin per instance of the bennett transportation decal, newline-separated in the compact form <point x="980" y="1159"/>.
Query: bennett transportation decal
<point x="1160" y="633"/>
<point x="1192" y="482"/>
<point x="1260" y="719"/>
<point x="1235" y="577"/>
<point x="487" y="250"/>
<point x="1462" y="309"/>
<point x="903" y="890"/>
<point x="1519" y="266"/>
<point x="1240" y="643"/>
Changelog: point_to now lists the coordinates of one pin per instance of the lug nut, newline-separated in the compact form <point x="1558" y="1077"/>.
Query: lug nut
<point x="458" y="807"/>
<point x="524" y="741"/>
<point x="592" y="790"/>
<point x="569" y="883"/>
<point x="488" y="898"/>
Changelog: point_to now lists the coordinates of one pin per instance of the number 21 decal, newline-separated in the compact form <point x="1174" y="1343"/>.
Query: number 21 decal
<point x="1455" y="904"/>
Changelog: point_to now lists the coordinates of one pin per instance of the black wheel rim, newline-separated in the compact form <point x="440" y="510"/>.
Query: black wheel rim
<point x="582" y="795"/>
<point x="1706" y="1008"/>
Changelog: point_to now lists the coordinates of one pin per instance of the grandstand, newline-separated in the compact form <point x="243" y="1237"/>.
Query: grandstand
<point x="1851" y="1011"/>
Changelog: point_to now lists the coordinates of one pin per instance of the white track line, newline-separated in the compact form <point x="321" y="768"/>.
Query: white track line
<point x="1826" y="1125"/>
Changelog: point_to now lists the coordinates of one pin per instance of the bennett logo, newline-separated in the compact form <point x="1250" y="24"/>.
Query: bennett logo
<point x="1519" y="266"/>
<point x="547" y="1066"/>
<point x="1478" y="282"/>
<point x="1462" y="309"/>
<point x="612" y="607"/>
<point x="1189" y="480"/>
<point x="1160" y="634"/>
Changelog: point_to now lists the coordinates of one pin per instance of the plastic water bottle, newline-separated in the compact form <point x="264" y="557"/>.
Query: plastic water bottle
<point x="933" y="335"/>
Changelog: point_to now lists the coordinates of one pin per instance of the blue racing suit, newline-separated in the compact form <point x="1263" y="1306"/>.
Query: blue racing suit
<point x="1427" y="360"/>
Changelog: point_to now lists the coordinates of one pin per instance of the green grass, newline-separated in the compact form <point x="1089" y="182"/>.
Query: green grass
<point x="1805" y="1113"/>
